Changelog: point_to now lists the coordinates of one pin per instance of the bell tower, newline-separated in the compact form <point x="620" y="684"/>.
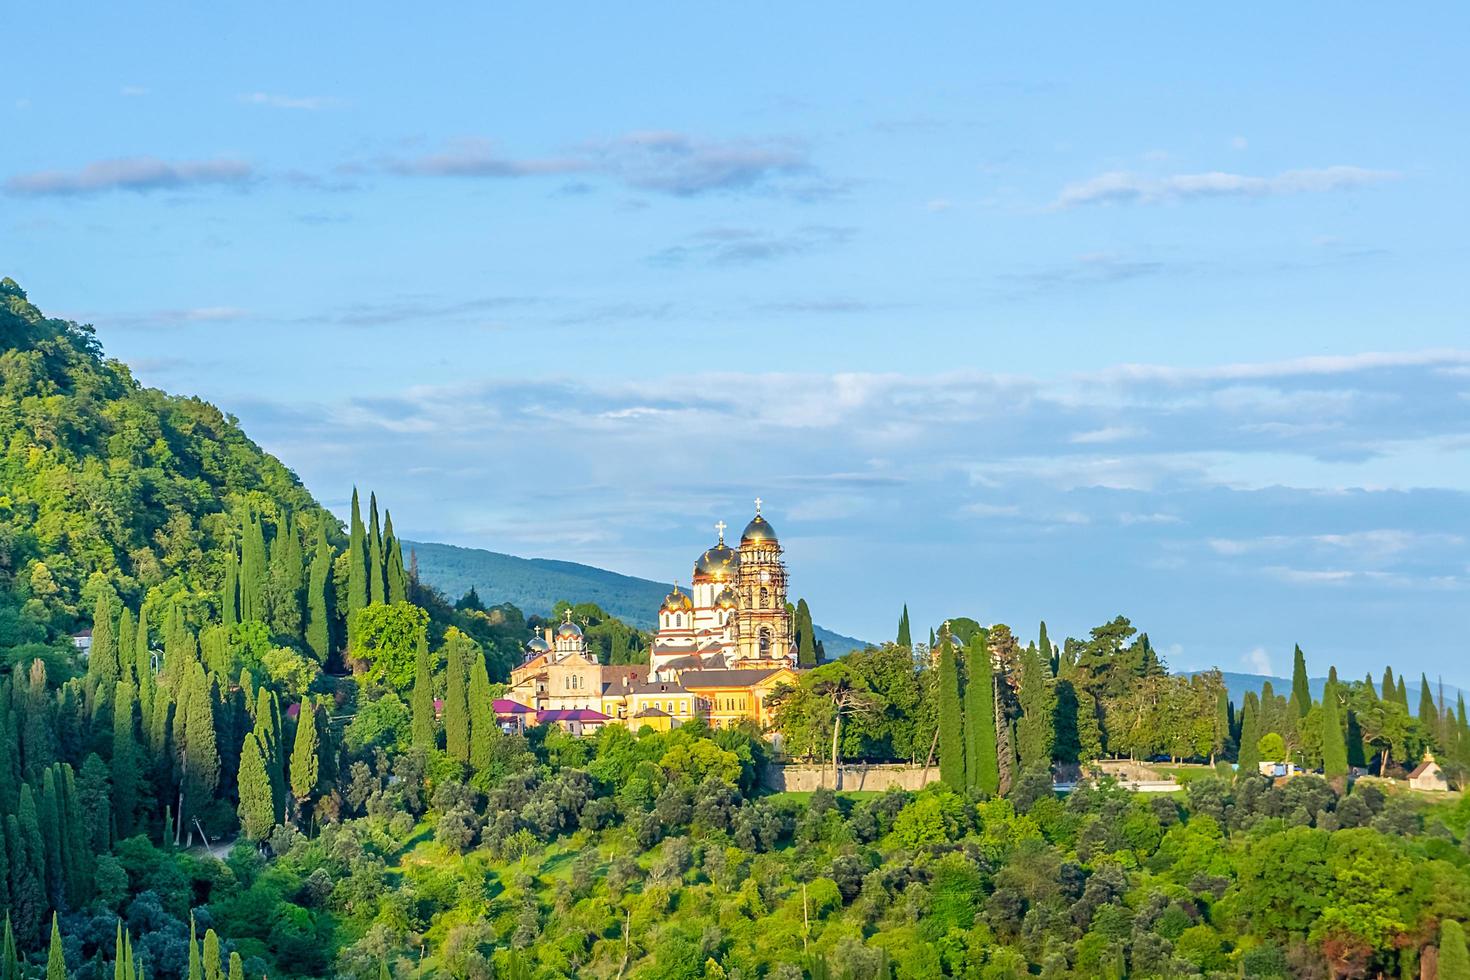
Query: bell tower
<point x="763" y="629"/>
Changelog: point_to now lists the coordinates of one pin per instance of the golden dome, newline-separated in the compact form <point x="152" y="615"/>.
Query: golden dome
<point x="727" y="599"/>
<point x="537" y="645"/>
<point x="568" y="630"/>
<point x="758" y="532"/>
<point x="677" y="601"/>
<point x="718" y="564"/>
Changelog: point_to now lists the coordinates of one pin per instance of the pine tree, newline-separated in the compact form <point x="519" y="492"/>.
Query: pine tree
<point x="456" y="696"/>
<point x="951" y="721"/>
<point x="1248" y="757"/>
<point x="55" y="959"/>
<point x="393" y="555"/>
<point x="257" y="807"/>
<point x="230" y="592"/>
<point x="306" y="755"/>
<point x="483" y="730"/>
<point x="103" y="668"/>
<point x="1038" y="707"/>
<point x="125" y="762"/>
<point x="806" y="641"/>
<point x="1301" y="689"/>
<point x="1334" y="742"/>
<point x="982" y="763"/>
<point x="318" y="616"/>
<point x="904" y="638"/>
<point x="357" y="569"/>
<point x="377" y="586"/>
<point x="1454" y="959"/>
<point x="425" y="735"/>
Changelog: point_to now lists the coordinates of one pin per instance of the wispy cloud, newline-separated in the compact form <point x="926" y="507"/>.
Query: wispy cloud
<point x="309" y="103"/>
<point x="133" y="91"/>
<point x="1121" y="187"/>
<point x="743" y="246"/>
<point x="480" y="158"/>
<point x="137" y="174"/>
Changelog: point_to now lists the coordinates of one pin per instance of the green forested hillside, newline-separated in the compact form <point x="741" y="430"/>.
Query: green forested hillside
<point x="111" y="488"/>
<point x="535" y="585"/>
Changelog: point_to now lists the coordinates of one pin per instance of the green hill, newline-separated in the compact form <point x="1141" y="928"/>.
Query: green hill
<point x="535" y="584"/>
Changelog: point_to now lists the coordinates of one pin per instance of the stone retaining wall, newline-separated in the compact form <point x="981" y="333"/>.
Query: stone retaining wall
<point x="804" y="778"/>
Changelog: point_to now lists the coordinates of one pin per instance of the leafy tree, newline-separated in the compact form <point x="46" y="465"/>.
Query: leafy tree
<point x="1272" y="747"/>
<point x="1454" y="961"/>
<point x="388" y="641"/>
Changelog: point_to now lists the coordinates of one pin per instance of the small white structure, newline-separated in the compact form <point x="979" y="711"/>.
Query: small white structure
<point x="1428" y="777"/>
<point x="83" y="641"/>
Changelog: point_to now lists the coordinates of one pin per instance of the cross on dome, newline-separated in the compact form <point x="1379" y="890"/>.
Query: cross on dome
<point x="720" y="527"/>
<point x="569" y="614"/>
<point x="758" y="502"/>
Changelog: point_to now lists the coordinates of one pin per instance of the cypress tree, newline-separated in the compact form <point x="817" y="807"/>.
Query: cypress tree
<point x="237" y="968"/>
<point x="1038" y="706"/>
<point x="37" y="723"/>
<point x="1248" y="757"/>
<point x="268" y="732"/>
<point x="393" y="555"/>
<point x="318" y="618"/>
<point x="425" y="727"/>
<point x="53" y="839"/>
<point x="357" y="569"/>
<point x="287" y="568"/>
<point x="1390" y="692"/>
<point x="483" y="730"/>
<point x="1454" y="959"/>
<point x="253" y="572"/>
<point x="200" y="749"/>
<point x="1222" y="723"/>
<point x="4" y="881"/>
<point x="1301" y="689"/>
<point x="951" y="722"/>
<point x="904" y="638"/>
<point x="143" y="667"/>
<point x="125" y="761"/>
<point x="10" y="968"/>
<point x="196" y="965"/>
<point x="306" y="755"/>
<point x="1043" y="643"/>
<point x="212" y="969"/>
<point x="377" y="590"/>
<point x="103" y="668"/>
<point x="806" y="641"/>
<point x="27" y="869"/>
<point x="1428" y="713"/>
<point x="456" y="696"/>
<point x="230" y="593"/>
<point x="127" y="636"/>
<point x="9" y="760"/>
<point x="55" y="960"/>
<point x="257" y="807"/>
<point x="1402" y="694"/>
<point x="981" y="759"/>
<point x="1334" y="743"/>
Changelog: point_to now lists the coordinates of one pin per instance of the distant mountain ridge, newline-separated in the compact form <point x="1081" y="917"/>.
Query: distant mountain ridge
<point x="1237" y="684"/>
<point x="534" y="585"/>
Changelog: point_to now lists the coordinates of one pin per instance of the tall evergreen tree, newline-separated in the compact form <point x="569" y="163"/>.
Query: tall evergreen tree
<point x="1390" y="692"/>
<point x="27" y="869"/>
<point x="1249" y="757"/>
<point x="48" y="813"/>
<point x="127" y="636"/>
<point x="1301" y="688"/>
<point x="237" y="967"/>
<point x="268" y="731"/>
<point x="1222" y="724"/>
<point x="1043" y="643"/>
<point x="306" y="755"/>
<point x="253" y="573"/>
<point x="806" y="641"/>
<point x="199" y="753"/>
<point x="1428" y="713"/>
<point x="55" y="958"/>
<point x="196" y="964"/>
<point x="10" y="966"/>
<point x="394" y="572"/>
<point x="904" y="638"/>
<point x="287" y="580"/>
<point x="951" y="720"/>
<point x="143" y="667"/>
<point x="483" y="730"/>
<point x="4" y="879"/>
<point x="377" y="585"/>
<point x="103" y="668"/>
<point x="1401" y="695"/>
<point x="1038" y="707"/>
<point x="230" y="591"/>
<point x="318" y="590"/>
<point x="357" y="569"/>
<point x="456" y="695"/>
<point x="982" y="763"/>
<point x="126" y="765"/>
<point x="425" y="735"/>
<point x="1334" y="741"/>
<point x="257" y="809"/>
<point x="1454" y="959"/>
<point x="212" y="965"/>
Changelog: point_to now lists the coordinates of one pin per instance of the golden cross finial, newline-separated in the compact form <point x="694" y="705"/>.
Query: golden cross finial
<point x="720" y="526"/>
<point x="569" y="614"/>
<point x="758" y="502"/>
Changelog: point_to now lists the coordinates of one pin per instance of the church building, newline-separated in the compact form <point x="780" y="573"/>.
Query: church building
<point x="734" y="614"/>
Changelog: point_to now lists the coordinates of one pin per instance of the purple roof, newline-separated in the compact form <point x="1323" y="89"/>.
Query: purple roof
<point x="570" y="714"/>
<point x="505" y="706"/>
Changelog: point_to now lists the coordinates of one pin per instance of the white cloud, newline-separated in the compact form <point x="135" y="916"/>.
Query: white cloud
<point x="139" y="174"/>
<point x="132" y="91"/>
<point x="1259" y="661"/>
<point x="1107" y="434"/>
<point x="1119" y="187"/>
<point x="310" y="103"/>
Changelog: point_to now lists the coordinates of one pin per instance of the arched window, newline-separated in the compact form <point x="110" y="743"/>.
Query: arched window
<point x="765" y="640"/>
<point x="765" y="597"/>
<point x="679" y="620"/>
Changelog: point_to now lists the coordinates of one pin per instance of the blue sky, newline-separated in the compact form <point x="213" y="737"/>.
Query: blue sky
<point x="1059" y="314"/>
